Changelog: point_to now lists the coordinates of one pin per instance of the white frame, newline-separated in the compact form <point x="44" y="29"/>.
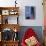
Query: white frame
<point x="5" y="12"/>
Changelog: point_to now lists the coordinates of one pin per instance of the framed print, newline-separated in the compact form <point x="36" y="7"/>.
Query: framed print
<point x="5" y="12"/>
<point x="29" y="12"/>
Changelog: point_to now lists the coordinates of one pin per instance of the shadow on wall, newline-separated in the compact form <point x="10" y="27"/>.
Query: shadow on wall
<point x="37" y="29"/>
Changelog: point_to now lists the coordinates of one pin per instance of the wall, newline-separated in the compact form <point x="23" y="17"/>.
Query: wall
<point x="38" y="21"/>
<point x="39" y="13"/>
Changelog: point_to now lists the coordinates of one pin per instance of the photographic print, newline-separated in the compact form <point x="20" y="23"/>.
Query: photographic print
<point x="29" y="12"/>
